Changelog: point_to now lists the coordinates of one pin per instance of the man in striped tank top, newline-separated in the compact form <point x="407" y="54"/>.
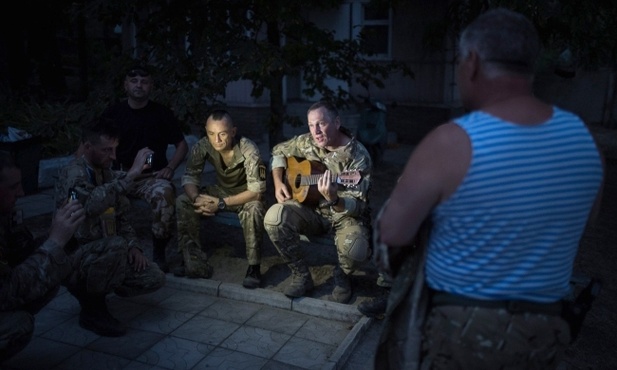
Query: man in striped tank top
<point x="509" y="189"/>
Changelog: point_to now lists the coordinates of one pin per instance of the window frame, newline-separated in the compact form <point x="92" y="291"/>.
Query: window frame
<point x="359" y="21"/>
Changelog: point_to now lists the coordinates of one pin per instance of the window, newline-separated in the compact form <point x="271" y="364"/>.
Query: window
<point x="376" y="28"/>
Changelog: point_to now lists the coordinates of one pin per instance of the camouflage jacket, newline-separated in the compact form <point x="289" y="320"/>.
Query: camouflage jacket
<point x="33" y="276"/>
<point x="97" y="190"/>
<point x="246" y="172"/>
<point x="351" y="157"/>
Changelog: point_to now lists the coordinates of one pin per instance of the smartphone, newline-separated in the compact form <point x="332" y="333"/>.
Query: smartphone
<point x="72" y="194"/>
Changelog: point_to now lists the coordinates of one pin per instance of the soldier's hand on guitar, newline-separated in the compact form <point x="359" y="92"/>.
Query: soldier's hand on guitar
<point x="206" y="205"/>
<point x="326" y="186"/>
<point x="281" y="192"/>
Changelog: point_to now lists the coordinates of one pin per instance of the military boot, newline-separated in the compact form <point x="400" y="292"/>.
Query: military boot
<point x="253" y="277"/>
<point x="196" y="262"/>
<point x="342" y="286"/>
<point x="95" y="316"/>
<point x="301" y="280"/>
<point x="375" y="307"/>
<point x="159" y="256"/>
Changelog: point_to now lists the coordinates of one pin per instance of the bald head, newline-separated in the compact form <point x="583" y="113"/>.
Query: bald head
<point x="220" y="130"/>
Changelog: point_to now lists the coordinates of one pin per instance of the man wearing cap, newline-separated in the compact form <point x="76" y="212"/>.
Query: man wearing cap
<point x="145" y="123"/>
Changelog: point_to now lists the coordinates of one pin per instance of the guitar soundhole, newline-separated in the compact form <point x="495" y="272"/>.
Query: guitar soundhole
<point x="298" y="181"/>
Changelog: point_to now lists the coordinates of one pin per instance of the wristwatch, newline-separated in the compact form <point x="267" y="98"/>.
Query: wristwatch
<point x="222" y="204"/>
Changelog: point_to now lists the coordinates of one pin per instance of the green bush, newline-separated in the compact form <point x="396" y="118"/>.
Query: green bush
<point x="57" y="124"/>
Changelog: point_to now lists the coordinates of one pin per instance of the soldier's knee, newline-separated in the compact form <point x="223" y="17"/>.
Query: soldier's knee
<point x="184" y="206"/>
<point x="274" y="216"/>
<point x="356" y="248"/>
<point x="182" y="200"/>
<point x="255" y="209"/>
<point x="169" y="193"/>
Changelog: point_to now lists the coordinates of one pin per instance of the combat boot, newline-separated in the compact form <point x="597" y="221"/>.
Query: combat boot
<point x="196" y="263"/>
<point x="342" y="286"/>
<point x="253" y="277"/>
<point x="95" y="316"/>
<point x="375" y="307"/>
<point x="301" y="280"/>
<point x="159" y="256"/>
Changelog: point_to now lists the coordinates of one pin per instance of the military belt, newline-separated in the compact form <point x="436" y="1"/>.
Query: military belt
<point x="512" y="306"/>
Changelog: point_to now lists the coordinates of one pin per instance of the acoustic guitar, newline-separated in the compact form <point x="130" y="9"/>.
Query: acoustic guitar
<point x="302" y="176"/>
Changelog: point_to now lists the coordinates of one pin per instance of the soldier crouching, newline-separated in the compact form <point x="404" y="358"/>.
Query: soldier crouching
<point x="112" y="259"/>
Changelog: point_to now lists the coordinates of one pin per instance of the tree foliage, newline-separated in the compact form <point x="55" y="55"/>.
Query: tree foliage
<point x="587" y="28"/>
<point x="199" y="47"/>
<point x="575" y="34"/>
<point x="196" y="48"/>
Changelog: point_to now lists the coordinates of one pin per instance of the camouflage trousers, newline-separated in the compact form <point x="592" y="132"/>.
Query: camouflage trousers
<point x="103" y="268"/>
<point x="251" y="217"/>
<point x="100" y="267"/>
<point x="160" y="194"/>
<point x="284" y="222"/>
<point x="17" y="327"/>
<point x="457" y="337"/>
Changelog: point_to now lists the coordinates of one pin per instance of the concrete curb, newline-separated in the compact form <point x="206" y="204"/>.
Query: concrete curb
<point x="306" y="305"/>
<point x="344" y="350"/>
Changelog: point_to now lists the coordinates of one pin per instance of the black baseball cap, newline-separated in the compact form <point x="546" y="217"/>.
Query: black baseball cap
<point x="138" y="70"/>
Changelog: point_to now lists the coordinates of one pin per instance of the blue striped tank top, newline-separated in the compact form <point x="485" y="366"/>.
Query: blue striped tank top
<point x="512" y="228"/>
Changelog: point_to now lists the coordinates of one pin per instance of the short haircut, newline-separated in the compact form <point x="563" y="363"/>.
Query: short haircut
<point x="6" y="161"/>
<point x="331" y="110"/>
<point x="138" y="70"/>
<point x="504" y="39"/>
<point x="93" y="130"/>
<point x="219" y="115"/>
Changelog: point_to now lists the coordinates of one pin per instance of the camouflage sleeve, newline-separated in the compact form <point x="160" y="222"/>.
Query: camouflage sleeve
<point x="290" y="148"/>
<point x="254" y="166"/>
<point x="195" y="163"/>
<point x="355" y="198"/>
<point x="34" y="278"/>
<point x="95" y="198"/>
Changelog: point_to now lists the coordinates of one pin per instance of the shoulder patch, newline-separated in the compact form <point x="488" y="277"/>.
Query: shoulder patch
<point x="262" y="172"/>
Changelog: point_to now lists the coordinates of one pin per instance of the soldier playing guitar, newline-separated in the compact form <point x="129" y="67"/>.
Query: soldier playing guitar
<point x="343" y="210"/>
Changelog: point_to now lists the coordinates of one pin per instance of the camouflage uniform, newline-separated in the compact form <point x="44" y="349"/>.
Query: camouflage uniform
<point x="29" y="278"/>
<point x="160" y="194"/>
<point x="284" y="222"/>
<point x="156" y="127"/>
<point x="104" y="266"/>
<point x="459" y="337"/>
<point x="247" y="171"/>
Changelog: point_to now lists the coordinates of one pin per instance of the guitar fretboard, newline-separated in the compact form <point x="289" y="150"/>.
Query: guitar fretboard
<point x="312" y="179"/>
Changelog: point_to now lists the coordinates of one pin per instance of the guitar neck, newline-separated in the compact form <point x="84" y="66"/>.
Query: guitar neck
<point x="313" y="179"/>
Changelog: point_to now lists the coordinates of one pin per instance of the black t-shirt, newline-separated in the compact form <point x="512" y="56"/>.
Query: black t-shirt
<point x="154" y="126"/>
